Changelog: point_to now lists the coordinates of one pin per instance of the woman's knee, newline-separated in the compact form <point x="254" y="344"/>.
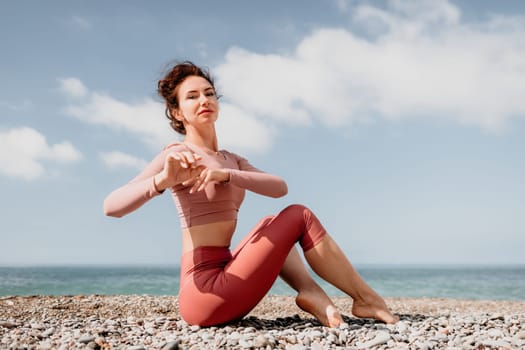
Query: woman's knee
<point x="311" y="228"/>
<point x="296" y="210"/>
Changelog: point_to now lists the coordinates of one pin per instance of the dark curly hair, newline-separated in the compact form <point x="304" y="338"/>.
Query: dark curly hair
<point x="168" y="87"/>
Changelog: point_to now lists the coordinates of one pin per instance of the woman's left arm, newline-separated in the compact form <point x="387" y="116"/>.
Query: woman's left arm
<point x="255" y="180"/>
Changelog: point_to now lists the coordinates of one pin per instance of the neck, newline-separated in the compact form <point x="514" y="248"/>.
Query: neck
<point x="205" y="139"/>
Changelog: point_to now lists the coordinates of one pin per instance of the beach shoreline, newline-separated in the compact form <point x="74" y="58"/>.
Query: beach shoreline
<point x="153" y="322"/>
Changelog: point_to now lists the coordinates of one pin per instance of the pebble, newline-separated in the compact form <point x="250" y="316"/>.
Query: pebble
<point x="88" y="329"/>
<point x="45" y="346"/>
<point x="410" y="333"/>
<point x="7" y="324"/>
<point x="86" y="339"/>
<point x="172" y="345"/>
<point x="48" y="332"/>
<point x="380" y="338"/>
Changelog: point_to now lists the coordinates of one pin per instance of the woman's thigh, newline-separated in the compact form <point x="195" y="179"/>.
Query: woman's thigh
<point x="259" y="258"/>
<point x="231" y="293"/>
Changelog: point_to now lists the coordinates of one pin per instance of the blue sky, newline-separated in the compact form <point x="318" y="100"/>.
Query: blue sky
<point x="400" y="123"/>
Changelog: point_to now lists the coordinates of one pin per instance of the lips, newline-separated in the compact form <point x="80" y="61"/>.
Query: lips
<point x="205" y="111"/>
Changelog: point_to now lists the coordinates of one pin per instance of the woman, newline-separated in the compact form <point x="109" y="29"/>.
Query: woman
<point x="208" y="186"/>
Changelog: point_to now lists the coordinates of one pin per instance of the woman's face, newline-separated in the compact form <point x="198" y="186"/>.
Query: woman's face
<point x="197" y="101"/>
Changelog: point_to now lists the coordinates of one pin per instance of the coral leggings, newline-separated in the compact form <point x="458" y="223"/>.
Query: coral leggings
<point x="218" y="286"/>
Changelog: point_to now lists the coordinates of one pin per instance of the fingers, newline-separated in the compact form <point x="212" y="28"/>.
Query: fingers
<point x="203" y="182"/>
<point x="190" y="181"/>
<point x="200" y="181"/>
<point x="192" y="175"/>
<point x="186" y="159"/>
<point x="201" y="176"/>
<point x="205" y="177"/>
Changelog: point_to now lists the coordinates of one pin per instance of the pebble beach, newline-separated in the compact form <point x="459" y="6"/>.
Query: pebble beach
<point x="152" y="322"/>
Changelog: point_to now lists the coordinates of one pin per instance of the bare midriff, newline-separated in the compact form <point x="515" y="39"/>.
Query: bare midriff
<point x="216" y="234"/>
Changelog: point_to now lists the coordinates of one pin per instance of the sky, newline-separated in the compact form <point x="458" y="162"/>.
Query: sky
<point x="401" y="124"/>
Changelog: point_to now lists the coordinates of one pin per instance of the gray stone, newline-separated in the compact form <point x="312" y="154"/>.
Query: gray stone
<point x="48" y="332"/>
<point x="332" y="339"/>
<point x="497" y="317"/>
<point x="517" y="342"/>
<point x="100" y="341"/>
<point x="291" y="339"/>
<point x="315" y="334"/>
<point x="36" y="334"/>
<point x="424" y="345"/>
<point x="245" y="343"/>
<point x="38" y="326"/>
<point x="496" y="344"/>
<point x="260" y="341"/>
<point x="401" y="327"/>
<point x="495" y="333"/>
<point x="172" y="345"/>
<point x="92" y="345"/>
<point x="86" y="339"/>
<point x="342" y="338"/>
<point x="297" y="347"/>
<point x="380" y="338"/>
<point x="136" y="347"/>
<point x="44" y="346"/>
<point x="8" y="325"/>
<point x="316" y="346"/>
<point x="307" y="341"/>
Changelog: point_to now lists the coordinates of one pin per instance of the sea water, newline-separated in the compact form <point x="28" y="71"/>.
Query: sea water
<point x="463" y="282"/>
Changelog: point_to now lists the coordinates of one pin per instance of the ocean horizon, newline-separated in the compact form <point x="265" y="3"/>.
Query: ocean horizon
<point x="476" y="282"/>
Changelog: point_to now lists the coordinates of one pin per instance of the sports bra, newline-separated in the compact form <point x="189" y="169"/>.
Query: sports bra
<point x="217" y="202"/>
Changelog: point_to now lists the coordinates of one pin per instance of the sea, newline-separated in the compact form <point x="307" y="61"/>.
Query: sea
<point x="458" y="282"/>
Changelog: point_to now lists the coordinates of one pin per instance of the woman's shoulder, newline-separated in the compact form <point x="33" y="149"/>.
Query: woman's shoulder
<point x="232" y="154"/>
<point x="176" y="146"/>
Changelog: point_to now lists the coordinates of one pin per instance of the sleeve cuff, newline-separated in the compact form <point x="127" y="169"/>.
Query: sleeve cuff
<point x="153" y="191"/>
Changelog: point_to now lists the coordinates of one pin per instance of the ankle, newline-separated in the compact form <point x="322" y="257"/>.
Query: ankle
<point x="368" y="298"/>
<point x="310" y="288"/>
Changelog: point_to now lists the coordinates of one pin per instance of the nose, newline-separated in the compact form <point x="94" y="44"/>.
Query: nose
<point x="204" y="100"/>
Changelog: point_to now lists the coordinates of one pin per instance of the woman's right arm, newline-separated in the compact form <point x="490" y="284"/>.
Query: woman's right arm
<point x="171" y="167"/>
<point x="135" y="193"/>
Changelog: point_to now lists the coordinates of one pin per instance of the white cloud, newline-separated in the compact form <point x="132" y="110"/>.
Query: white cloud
<point x="273" y="88"/>
<point x="240" y="130"/>
<point x="23" y="152"/>
<point x="146" y="120"/>
<point x="418" y="61"/>
<point x="117" y="159"/>
<point x="73" y="87"/>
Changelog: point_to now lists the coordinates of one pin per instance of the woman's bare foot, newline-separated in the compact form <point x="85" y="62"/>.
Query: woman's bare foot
<point x="318" y="304"/>
<point x="374" y="307"/>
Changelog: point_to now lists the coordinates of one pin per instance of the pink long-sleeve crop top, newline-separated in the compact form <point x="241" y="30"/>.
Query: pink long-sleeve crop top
<point x="217" y="202"/>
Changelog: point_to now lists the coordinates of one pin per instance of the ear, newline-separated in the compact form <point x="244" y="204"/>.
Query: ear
<point x="177" y="114"/>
